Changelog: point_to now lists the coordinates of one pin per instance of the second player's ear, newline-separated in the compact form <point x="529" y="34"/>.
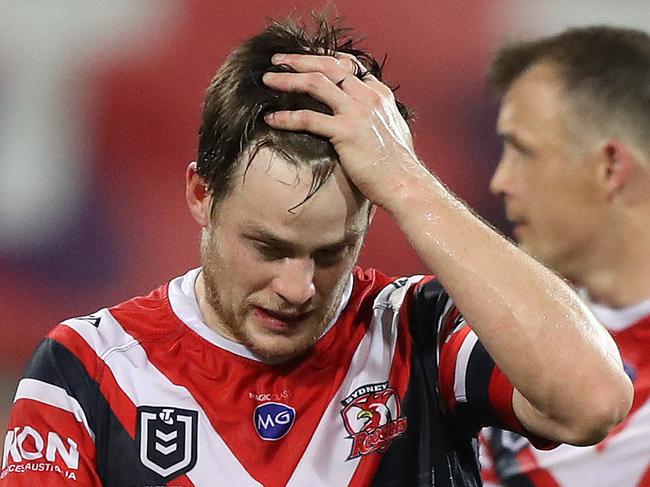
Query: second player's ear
<point x="617" y="166"/>
<point x="199" y="199"/>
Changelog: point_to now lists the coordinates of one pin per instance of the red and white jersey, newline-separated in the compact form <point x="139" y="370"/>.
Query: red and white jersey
<point x="620" y="460"/>
<point x="144" y="393"/>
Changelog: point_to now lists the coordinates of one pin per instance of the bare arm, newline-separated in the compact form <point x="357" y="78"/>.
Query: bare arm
<point x="569" y="381"/>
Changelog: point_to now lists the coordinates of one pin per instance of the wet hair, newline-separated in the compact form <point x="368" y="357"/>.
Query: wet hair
<point x="605" y="71"/>
<point x="232" y="123"/>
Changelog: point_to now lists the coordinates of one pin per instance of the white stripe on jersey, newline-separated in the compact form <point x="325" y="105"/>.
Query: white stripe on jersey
<point x="443" y="318"/>
<point x="462" y="360"/>
<point x="324" y="461"/>
<point x="52" y="395"/>
<point x="622" y="461"/>
<point x="145" y="385"/>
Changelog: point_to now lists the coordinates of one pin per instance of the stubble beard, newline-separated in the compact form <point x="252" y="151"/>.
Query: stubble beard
<point x="234" y="324"/>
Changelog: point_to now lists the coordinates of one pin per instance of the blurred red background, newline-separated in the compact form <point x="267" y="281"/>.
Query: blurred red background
<point x="99" y="111"/>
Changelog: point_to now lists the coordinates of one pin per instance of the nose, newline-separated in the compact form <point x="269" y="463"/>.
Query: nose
<point x="294" y="281"/>
<point x="500" y="179"/>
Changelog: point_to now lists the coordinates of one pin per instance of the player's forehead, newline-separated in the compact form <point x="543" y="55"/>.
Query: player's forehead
<point x="539" y="85"/>
<point x="268" y="193"/>
<point x="535" y="106"/>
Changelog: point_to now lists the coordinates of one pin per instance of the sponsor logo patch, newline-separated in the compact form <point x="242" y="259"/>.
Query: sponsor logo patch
<point x="167" y="439"/>
<point x="28" y="450"/>
<point x="273" y="420"/>
<point x="372" y="416"/>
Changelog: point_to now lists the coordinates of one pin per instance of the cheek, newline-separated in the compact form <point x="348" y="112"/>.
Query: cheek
<point x="325" y="281"/>
<point x="333" y="278"/>
<point x="232" y="264"/>
<point x="541" y="194"/>
<point x="249" y="274"/>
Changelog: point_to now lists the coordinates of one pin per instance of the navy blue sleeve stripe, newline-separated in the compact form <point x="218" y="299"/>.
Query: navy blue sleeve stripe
<point x="504" y="458"/>
<point x="117" y="453"/>
<point x="426" y="311"/>
<point x="436" y="448"/>
<point x="56" y="365"/>
<point x="478" y="409"/>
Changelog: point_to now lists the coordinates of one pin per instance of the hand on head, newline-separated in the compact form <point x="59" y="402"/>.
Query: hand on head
<point x="370" y="135"/>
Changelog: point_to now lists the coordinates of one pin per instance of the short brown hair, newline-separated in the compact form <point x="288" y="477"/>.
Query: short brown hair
<point x="608" y="67"/>
<point x="237" y="100"/>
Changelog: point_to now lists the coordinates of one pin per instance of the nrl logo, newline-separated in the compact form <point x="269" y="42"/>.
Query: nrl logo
<point x="373" y="418"/>
<point x="167" y="438"/>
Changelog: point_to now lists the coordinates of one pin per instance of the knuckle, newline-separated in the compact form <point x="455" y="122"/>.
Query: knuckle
<point x="334" y="63"/>
<point x="350" y="63"/>
<point x="314" y="80"/>
<point x="302" y="117"/>
<point x="349" y="57"/>
<point x="376" y="99"/>
<point x="388" y="93"/>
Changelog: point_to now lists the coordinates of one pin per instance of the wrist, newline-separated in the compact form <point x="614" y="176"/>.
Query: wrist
<point x="416" y="189"/>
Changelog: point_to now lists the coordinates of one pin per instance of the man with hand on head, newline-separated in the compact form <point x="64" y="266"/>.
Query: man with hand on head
<point x="575" y="178"/>
<point x="278" y="361"/>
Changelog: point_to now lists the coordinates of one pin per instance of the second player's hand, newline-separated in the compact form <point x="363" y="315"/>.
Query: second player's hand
<point x="366" y="129"/>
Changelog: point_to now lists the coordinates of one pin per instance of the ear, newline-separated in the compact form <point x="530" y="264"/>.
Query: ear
<point x="618" y="162"/>
<point x="199" y="199"/>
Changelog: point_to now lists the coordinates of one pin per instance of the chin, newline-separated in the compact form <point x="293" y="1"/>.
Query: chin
<point x="278" y="349"/>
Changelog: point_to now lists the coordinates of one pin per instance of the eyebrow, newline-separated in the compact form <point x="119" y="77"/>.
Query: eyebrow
<point x="515" y="142"/>
<point x="257" y="232"/>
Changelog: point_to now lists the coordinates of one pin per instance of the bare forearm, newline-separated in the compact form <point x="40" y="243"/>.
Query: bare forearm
<point x="531" y="322"/>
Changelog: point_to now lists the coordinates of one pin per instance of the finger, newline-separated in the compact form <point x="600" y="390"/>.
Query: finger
<point x="315" y="84"/>
<point x="352" y="64"/>
<point x="303" y="121"/>
<point x="378" y="86"/>
<point x="331" y="67"/>
<point x="343" y="71"/>
<point x="339" y="65"/>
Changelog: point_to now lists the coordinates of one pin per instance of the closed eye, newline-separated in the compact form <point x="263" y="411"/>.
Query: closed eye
<point x="516" y="144"/>
<point x="270" y="252"/>
<point x="322" y="257"/>
<point x="328" y="257"/>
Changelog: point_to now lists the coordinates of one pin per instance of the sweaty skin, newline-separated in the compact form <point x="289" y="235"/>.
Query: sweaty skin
<point x="570" y="384"/>
<point x="291" y="266"/>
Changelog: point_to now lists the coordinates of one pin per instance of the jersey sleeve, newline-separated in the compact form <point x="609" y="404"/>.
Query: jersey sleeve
<point x="50" y="439"/>
<point x="471" y="385"/>
<point x="489" y="474"/>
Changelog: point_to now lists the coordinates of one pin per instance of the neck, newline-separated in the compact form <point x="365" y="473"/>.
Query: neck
<point x="618" y="274"/>
<point x="208" y="313"/>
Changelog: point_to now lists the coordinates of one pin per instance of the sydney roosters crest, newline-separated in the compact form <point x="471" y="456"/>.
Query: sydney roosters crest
<point x="373" y="418"/>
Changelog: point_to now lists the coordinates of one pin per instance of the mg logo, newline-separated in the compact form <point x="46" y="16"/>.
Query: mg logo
<point x="167" y="439"/>
<point x="26" y="443"/>
<point x="273" y="420"/>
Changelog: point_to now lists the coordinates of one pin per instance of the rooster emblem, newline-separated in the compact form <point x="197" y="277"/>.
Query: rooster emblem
<point x="373" y="410"/>
<point x="372" y="418"/>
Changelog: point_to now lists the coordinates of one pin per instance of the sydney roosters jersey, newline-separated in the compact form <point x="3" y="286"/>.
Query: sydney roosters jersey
<point x="620" y="460"/>
<point x="145" y="394"/>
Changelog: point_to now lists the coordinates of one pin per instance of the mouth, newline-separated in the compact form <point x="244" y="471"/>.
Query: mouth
<point x="517" y="223"/>
<point x="278" y="321"/>
<point x="518" y="228"/>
